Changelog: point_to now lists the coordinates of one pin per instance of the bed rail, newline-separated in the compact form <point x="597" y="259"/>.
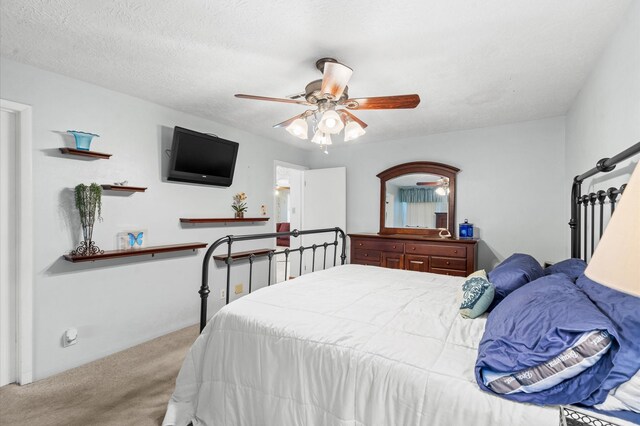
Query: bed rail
<point x="583" y="207"/>
<point x="270" y="255"/>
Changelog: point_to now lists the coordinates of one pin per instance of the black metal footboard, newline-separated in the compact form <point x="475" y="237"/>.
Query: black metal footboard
<point x="338" y="234"/>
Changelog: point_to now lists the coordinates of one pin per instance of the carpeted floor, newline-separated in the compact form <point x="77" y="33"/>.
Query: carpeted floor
<point x="131" y="387"/>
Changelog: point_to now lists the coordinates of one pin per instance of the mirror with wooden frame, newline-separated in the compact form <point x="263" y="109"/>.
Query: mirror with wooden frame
<point x="418" y="198"/>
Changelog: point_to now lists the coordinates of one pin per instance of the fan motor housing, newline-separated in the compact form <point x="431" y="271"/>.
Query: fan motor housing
<point x="313" y="93"/>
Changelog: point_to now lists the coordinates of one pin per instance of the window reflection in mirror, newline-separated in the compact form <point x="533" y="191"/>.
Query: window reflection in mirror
<point x="417" y="200"/>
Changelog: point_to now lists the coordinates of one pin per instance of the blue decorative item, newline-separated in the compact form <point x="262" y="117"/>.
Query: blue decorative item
<point x="135" y="239"/>
<point x="83" y="139"/>
<point x="466" y="229"/>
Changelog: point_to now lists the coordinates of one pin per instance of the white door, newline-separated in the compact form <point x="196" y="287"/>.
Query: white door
<point x="7" y="248"/>
<point x="324" y="206"/>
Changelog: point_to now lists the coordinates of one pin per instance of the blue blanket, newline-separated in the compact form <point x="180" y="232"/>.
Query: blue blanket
<point x="538" y="322"/>
<point x="624" y="312"/>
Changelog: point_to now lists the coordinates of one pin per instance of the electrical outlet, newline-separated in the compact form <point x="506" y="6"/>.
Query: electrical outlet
<point x="223" y="294"/>
<point x="239" y="288"/>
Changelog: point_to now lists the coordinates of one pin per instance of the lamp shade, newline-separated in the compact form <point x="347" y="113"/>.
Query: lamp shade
<point x="298" y="128"/>
<point x="616" y="261"/>
<point x="352" y="131"/>
<point x="330" y="122"/>
<point x="321" y="138"/>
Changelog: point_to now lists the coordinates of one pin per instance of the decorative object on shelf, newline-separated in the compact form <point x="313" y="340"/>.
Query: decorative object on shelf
<point x="444" y="233"/>
<point x="88" y="203"/>
<point x="326" y="96"/>
<point x="466" y="229"/>
<point x="263" y="210"/>
<point x="134" y="239"/>
<point x="83" y="139"/>
<point x="239" y="205"/>
<point x="123" y="183"/>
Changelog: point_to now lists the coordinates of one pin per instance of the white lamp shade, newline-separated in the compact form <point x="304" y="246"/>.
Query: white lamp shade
<point x="321" y="138"/>
<point x="353" y="131"/>
<point x="616" y="261"/>
<point x="330" y="122"/>
<point x="298" y="128"/>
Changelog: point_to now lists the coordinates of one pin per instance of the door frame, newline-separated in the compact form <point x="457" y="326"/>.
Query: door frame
<point x="24" y="244"/>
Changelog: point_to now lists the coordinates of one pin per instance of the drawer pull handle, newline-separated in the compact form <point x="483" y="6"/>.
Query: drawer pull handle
<point x="394" y="246"/>
<point x="417" y="262"/>
<point x="366" y="255"/>
<point x="413" y="248"/>
<point x="360" y="244"/>
<point x="447" y="262"/>
<point x="455" y="251"/>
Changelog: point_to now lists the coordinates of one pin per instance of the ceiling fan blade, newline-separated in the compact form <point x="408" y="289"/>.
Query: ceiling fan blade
<point x="292" y="119"/>
<point x="384" y="102"/>
<point x="335" y="78"/>
<point x="265" y="98"/>
<point x="429" y="183"/>
<point x="354" y="118"/>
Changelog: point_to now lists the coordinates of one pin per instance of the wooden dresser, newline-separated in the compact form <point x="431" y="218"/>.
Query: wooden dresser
<point x="447" y="256"/>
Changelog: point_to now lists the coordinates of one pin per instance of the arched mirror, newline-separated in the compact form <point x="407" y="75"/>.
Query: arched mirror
<point x="418" y="198"/>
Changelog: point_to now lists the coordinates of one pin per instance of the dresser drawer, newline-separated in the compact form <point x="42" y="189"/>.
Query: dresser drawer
<point x="365" y="262"/>
<point x="437" y="250"/>
<point x="448" y="272"/>
<point x="369" y="255"/>
<point x="391" y="246"/>
<point x="449" y="263"/>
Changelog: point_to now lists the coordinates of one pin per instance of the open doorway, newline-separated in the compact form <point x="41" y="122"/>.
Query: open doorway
<point x="8" y="132"/>
<point x="288" y="193"/>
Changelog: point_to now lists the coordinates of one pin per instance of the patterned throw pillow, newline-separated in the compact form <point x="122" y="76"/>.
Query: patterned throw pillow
<point x="477" y="296"/>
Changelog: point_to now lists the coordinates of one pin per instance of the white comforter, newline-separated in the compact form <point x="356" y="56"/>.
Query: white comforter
<point x="352" y="345"/>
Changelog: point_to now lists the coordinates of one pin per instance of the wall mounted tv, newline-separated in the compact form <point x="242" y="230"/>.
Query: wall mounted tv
<point x="201" y="158"/>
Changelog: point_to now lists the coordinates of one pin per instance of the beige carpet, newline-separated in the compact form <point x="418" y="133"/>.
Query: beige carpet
<point x="131" y="387"/>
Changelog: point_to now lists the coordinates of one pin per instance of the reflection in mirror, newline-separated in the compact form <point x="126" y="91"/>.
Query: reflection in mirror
<point x="417" y="200"/>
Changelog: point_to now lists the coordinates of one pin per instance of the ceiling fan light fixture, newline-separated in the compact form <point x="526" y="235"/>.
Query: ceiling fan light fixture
<point x="298" y="128"/>
<point x="353" y="131"/>
<point x="330" y="122"/>
<point x="441" y="191"/>
<point x="321" y="138"/>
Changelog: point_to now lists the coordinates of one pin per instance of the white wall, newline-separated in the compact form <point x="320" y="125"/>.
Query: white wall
<point x="117" y="304"/>
<point x="506" y="171"/>
<point x="604" y="119"/>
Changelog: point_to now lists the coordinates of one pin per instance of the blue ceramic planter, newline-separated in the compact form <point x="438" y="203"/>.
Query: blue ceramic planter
<point x="83" y="139"/>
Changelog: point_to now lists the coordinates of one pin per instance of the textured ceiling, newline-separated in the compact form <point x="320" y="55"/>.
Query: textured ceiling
<point x="474" y="63"/>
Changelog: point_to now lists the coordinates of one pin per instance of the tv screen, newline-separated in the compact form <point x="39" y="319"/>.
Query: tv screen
<point x="201" y="158"/>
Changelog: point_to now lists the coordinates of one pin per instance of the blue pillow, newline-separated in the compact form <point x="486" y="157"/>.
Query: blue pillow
<point x="573" y="268"/>
<point x="535" y="325"/>
<point x="514" y="272"/>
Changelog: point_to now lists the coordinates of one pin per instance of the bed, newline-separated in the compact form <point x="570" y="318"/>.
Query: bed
<point x="350" y="345"/>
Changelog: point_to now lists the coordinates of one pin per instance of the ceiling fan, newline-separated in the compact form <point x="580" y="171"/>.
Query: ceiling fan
<point x="330" y="97"/>
<point x="442" y="185"/>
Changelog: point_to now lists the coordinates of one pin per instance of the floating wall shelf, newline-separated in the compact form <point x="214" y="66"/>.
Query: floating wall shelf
<point x="222" y="220"/>
<point x="113" y="254"/>
<point x="243" y="254"/>
<point x="81" y="153"/>
<point x="123" y="188"/>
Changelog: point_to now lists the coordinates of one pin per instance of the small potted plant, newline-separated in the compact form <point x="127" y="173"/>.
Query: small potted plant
<point x="239" y="205"/>
<point x="88" y="203"/>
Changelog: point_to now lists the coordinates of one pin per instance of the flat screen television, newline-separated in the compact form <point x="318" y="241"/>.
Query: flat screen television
<point x="201" y="158"/>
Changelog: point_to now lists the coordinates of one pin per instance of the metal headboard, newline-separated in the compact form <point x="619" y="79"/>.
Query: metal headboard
<point x="270" y="255"/>
<point x="585" y="217"/>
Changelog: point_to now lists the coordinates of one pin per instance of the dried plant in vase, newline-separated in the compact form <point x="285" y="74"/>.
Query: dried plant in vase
<point x="239" y="205"/>
<point x="88" y="203"/>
